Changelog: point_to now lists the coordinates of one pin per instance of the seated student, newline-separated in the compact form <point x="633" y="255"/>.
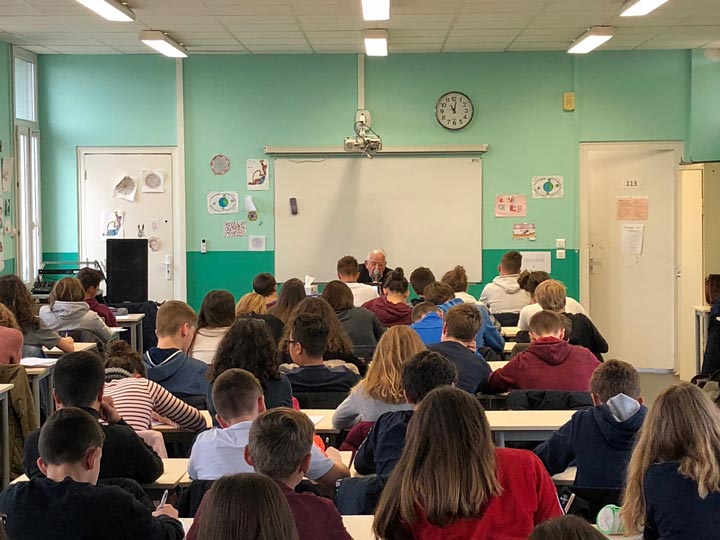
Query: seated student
<point x="11" y="338"/>
<point x="529" y="281"/>
<point x="248" y="345"/>
<point x="361" y="325"/>
<point x="248" y="506"/>
<point x="291" y="294"/>
<point x="672" y="489"/>
<point x="238" y="397"/>
<point x="79" y="380"/>
<point x="600" y="440"/>
<point x="452" y="482"/>
<point x="374" y="269"/>
<point x="168" y="364"/>
<point x="90" y="279"/>
<point x="457" y="344"/>
<point x="252" y="305"/>
<point x="384" y="445"/>
<point x="217" y="314"/>
<point x="17" y="298"/>
<point x="348" y="273"/>
<point x="139" y="400"/>
<point x="711" y="354"/>
<point x="458" y="281"/>
<point x="566" y="528"/>
<point x="504" y="297"/>
<point x="420" y="278"/>
<point x="265" y="285"/>
<point x="67" y="310"/>
<point x="307" y="344"/>
<point x="67" y="503"/>
<point x="392" y="308"/>
<point x="550" y="363"/>
<point x="550" y="294"/>
<point x="280" y="447"/>
<point x="380" y="391"/>
<point x="427" y="322"/>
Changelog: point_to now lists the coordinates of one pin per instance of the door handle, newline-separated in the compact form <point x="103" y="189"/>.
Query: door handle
<point x="168" y="267"/>
<point x="592" y="263"/>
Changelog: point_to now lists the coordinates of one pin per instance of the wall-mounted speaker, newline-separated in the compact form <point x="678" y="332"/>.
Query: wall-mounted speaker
<point x="127" y="270"/>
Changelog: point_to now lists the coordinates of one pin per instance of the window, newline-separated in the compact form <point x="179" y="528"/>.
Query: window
<point x="27" y="154"/>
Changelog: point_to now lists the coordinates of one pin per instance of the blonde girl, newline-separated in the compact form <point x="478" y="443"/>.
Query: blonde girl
<point x="251" y="304"/>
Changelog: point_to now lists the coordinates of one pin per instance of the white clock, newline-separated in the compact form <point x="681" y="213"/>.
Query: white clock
<point x="454" y="110"/>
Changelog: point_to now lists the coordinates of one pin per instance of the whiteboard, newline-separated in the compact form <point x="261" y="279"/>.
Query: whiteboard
<point x="423" y="211"/>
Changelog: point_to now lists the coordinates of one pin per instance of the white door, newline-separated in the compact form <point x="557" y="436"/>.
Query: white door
<point x="148" y="215"/>
<point x="631" y="296"/>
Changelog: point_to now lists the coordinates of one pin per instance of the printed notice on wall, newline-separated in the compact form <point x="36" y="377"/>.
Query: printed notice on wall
<point x="631" y="239"/>
<point x="536" y="261"/>
<point x="632" y="208"/>
<point x="510" y="205"/>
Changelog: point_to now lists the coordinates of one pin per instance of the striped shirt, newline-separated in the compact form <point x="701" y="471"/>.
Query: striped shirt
<point x="136" y="399"/>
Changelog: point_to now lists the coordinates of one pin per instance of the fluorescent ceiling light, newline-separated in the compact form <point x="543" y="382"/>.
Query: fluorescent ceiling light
<point x="376" y="43"/>
<point x="110" y="10"/>
<point x="638" y="8"/>
<point x="162" y="43"/>
<point x="592" y="39"/>
<point x="376" y="10"/>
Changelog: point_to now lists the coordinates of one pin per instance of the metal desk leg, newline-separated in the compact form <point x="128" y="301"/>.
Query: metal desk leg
<point x="139" y="330"/>
<point x="36" y="396"/>
<point x="5" y="441"/>
<point x="499" y="438"/>
<point x="133" y="338"/>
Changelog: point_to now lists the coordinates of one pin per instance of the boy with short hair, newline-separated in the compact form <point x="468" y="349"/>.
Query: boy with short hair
<point x="265" y="285"/>
<point x="168" y="364"/>
<point x="306" y="346"/>
<point x="382" y="448"/>
<point x="504" y="294"/>
<point x="280" y="446"/>
<point x="91" y="279"/>
<point x="348" y="273"/>
<point x="458" y="344"/>
<point x="600" y="440"/>
<point x="420" y="278"/>
<point x="427" y="322"/>
<point x="79" y="382"/>
<point x="238" y="398"/>
<point x="67" y="503"/>
<point x="549" y="363"/>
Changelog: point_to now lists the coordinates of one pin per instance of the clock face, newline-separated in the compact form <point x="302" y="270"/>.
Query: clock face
<point x="454" y="110"/>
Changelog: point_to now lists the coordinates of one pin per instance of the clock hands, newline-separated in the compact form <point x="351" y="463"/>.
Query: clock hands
<point x="453" y="108"/>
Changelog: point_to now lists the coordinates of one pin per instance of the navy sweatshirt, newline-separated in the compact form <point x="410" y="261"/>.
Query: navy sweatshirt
<point x="674" y="510"/>
<point x="473" y="371"/>
<point x="384" y="444"/>
<point x="597" y="442"/>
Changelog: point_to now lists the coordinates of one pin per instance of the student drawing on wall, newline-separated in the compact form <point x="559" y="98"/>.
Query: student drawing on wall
<point x="114" y="226"/>
<point x="259" y="175"/>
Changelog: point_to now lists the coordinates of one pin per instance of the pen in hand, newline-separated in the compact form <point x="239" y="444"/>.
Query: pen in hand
<point x="163" y="500"/>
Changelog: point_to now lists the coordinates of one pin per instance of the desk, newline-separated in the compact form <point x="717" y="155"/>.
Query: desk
<point x="702" y="318"/>
<point x="497" y="365"/>
<point x="508" y="349"/>
<point x="324" y="425"/>
<point x="4" y="398"/>
<point x="37" y="374"/>
<point x="510" y="332"/>
<point x="134" y="323"/>
<point x="525" y="425"/>
<point x="565" y="478"/>
<point x="166" y="428"/>
<point x="79" y="347"/>
<point x="174" y="471"/>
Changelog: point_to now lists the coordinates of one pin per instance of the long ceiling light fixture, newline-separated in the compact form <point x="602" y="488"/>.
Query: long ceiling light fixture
<point x="376" y="10"/>
<point x="112" y="10"/>
<point x="163" y="43"/>
<point x="592" y="39"/>
<point x="638" y="8"/>
<point x="376" y="42"/>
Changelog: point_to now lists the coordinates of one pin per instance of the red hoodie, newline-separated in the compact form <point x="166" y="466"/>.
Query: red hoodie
<point x="548" y="364"/>
<point x="390" y="314"/>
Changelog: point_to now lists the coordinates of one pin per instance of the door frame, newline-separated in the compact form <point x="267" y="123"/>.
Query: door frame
<point x="178" y="205"/>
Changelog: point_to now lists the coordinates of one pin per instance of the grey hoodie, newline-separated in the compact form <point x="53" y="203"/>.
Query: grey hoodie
<point x="64" y="316"/>
<point x="504" y="295"/>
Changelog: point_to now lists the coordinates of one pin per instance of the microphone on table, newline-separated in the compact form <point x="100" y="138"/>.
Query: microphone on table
<point x="376" y="275"/>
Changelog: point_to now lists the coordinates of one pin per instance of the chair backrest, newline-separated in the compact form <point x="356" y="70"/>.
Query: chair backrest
<point x="358" y="496"/>
<point x="548" y="400"/>
<point x="355" y="437"/>
<point x="88" y="336"/>
<point x="191" y="497"/>
<point x="507" y="319"/>
<point x="320" y="400"/>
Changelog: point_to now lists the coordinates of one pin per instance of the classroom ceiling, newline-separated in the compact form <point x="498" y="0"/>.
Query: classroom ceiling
<point x="335" y="26"/>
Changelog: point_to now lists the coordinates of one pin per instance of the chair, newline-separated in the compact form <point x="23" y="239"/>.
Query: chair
<point x="358" y="496"/>
<point x="355" y="437"/>
<point x="87" y="336"/>
<point x="320" y="400"/>
<point x="533" y="400"/>
<point x="191" y="497"/>
<point x="507" y="319"/>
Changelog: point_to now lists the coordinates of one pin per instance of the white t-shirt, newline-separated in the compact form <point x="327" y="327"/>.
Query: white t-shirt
<point x="206" y="343"/>
<point x="526" y="313"/>
<point x="362" y="292"/>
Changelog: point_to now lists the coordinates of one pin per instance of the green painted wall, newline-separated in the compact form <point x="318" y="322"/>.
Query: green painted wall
<point x="6" y="138"/>
<point x="705" y="120"/>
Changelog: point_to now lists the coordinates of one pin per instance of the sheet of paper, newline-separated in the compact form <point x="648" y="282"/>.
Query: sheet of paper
<point x="632" y="208"/>
<point x="222" y="202"/>
<point x="258" y="178"/>
<point x="153" y="181"/>
<point x="536" y="261"/>
<point x="256" y="242"/>
<point x="524" y="231"/>
<point x="510" y="205"/>
<point x="316" y="419"/>
<point x="117" y="329"/>
<point x="547" y="187"/>
<point x="631" y="239"/>
<point x="8" y="173"/>
<point x="125" y="189"/>
<point x="234" y="229"/>
<point x="38" y="362"/>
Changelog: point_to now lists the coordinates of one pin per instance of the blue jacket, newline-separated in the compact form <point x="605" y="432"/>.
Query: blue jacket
<point x="429" y="328"/>
<point x="488" y="335"/>
<point x="178" y="373"/>
<point x="597" y="442"/>
<point x="384" y="444"/>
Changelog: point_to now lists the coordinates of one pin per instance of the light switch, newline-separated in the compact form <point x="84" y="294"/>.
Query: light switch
<point x="560" y="254"/>
<point x="560" y="243"/>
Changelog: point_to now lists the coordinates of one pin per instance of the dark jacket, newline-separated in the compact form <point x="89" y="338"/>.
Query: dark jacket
<point x="390" y="314"/>
<point x="711" y="355"/>
<point x="599" y="444"/>
<point x="586" y="334"/>
<point x="473" y="371"/>
<point x="365" y="276"/>
<point x="42" y="509"/>
<point x="125" y="455"/>
<point x="363" y="328"/>
<point x="384" y="445"/>
<point x="21" y="413"/>
<point x="175" y="371"/>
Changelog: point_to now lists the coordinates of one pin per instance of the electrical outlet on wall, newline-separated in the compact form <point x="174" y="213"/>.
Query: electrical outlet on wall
<point x="560" y="254"/>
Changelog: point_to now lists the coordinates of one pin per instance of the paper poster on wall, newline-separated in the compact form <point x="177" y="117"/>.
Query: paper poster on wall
<point x="258" y="178"/>
<point x="256" y="242"/>
<point x="2" y="253"/>
<point x="125" y="189"/>
<point x="112" y="223"/>
<point x="510" y="206"/>
<point x="222" y="202"/>
<point x="547" y="187"/>
<point x="8" y="173"/>
<point x="524" y="231"/>
<point x="632" y="208"/>
<point x="234" y="229"/>
<point x="536" y="261"/>
<point x="220" y="164"/>
<point x="152" y="181"/>
<point x="631" y="238"/>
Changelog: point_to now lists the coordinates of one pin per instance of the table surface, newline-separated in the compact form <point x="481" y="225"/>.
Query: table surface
<point x="5" y="388"/>
<point x="175" y="470"/>
<point x="510" y="331"/>
<point x="528" y="420"/>
<point x="130" y="318"/>
<point x="498" y="364"/>
<point x="565" y="478"/>
<point x="509" y="346"/>
<point x="325" y="424"/>
<point x="35" y="371"/>
<point x="704" y="308"/>
<point x="80" y="346"/>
